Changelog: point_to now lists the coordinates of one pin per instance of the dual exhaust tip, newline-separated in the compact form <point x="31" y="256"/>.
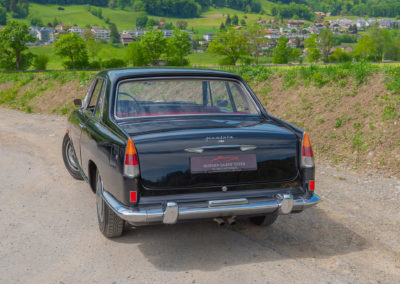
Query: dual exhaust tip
<point x="222" y="221"/>
<point x="285" y="206"/>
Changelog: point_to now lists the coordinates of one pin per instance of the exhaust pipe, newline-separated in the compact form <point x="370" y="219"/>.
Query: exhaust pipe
<point x="231" y="220"/>
<point x="219" y="221"/>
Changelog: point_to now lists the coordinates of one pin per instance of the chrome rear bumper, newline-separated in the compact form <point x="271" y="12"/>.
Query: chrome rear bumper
<point x="174" y="212"/>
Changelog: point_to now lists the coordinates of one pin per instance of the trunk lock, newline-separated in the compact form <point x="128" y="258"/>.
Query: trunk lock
<point x="224" y="188"/>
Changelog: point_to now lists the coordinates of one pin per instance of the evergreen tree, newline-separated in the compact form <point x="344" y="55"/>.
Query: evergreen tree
<point x="114" y="34"/>
<point x="281" y="51"/>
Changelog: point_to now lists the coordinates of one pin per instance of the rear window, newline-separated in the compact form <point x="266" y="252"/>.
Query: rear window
<point x="182" y="97"/>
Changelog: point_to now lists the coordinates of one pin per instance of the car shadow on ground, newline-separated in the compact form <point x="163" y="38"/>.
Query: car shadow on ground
<point x="207" y="246"/>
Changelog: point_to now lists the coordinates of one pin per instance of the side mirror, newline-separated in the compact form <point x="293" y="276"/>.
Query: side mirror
<point x="222" y="103"/>
<point x="78" y="102"/>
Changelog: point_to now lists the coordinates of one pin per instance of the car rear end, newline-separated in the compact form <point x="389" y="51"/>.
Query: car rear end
<point x="203" y="148"/>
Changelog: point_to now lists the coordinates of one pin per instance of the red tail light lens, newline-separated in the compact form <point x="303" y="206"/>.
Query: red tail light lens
<point x="133" y="196"/>
<point x="131" y="168"/>
<point x="307" y="155"/>
<point x="311" y="185"/>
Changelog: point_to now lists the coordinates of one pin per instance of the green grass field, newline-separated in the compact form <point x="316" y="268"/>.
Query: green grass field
<point x="209" y="21"/>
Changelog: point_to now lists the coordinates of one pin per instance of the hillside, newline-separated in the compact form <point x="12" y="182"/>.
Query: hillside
<point x="351" y="111"/>
<point x="209" y="20"/>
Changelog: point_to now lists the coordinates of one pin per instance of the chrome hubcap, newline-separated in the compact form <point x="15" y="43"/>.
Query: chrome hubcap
<point x="71" y="157"/>
<point x="99" y="199"/>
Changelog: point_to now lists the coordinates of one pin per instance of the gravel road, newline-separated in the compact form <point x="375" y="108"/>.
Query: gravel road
<point x="49" y="234"/>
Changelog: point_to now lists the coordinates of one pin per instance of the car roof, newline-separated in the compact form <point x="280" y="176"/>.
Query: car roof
<point x="117" y="74"/>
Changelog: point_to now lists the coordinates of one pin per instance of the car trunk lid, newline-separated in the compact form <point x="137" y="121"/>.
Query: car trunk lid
<point x="189" y="154"/>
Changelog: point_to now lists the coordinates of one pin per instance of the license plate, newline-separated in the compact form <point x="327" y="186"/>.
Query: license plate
<point x="223" y="163"/>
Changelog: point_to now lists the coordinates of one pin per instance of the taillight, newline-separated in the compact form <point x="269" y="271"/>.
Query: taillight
<point x="307" y="156"/>
<point x="311" y="185"/>
<point x="131" y="167"/>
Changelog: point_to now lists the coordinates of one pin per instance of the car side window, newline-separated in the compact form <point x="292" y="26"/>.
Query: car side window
<point x="99" y="106"/>
<point x="91" y="106"/>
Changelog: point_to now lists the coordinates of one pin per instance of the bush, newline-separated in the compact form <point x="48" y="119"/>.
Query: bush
<point x="113" y="63"/>
<point x="40" y="62"/>
<point x="225" y="61"/>
<point x="175" y="61"/>
<point x="339" y="55"/>
<point x="95" y="65"/>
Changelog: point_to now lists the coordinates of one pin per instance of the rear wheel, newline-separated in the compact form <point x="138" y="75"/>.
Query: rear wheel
<point x="110" y="224"/>
<point x="69" y="158"/>
<point x="266" y="220"/>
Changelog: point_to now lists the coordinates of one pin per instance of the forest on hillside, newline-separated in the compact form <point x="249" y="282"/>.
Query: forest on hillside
<point x="372" y="8"/>
<point x="299" y="9"/>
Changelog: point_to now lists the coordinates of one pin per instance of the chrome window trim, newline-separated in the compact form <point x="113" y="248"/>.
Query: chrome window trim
<point x="244" y="88"/>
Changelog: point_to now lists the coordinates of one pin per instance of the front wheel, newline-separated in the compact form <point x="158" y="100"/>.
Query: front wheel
<point x="266" y="220"/>
<point x="69" y="157"/>
<point x="110" y="224"/>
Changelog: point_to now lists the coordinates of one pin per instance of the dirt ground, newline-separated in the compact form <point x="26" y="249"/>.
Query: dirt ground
<point x="49" y="234"/>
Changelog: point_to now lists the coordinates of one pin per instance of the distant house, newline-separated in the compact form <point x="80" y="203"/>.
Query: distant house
<point x="361" y="23"/>
<point x="239" y="28"/>
<point x="345" y="47"/>
<point x="208" y="36"/>
<point x="60" y="27"/>
<point x="262" y="22"/>
<point x="167" y="33"/>
<point x="136" y="34"/>
<point x="101" y="34"/>
<point x="77" y="30"/>
<point x="322" y="14"/>
<point x="295" y="23"/>
<point x="126" y="39"/>
<point x="43" y="35"/>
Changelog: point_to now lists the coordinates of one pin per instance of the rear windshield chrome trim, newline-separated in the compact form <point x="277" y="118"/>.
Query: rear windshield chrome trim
<point x="255" y="104"/>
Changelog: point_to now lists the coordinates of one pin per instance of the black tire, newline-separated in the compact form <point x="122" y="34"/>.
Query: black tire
<point x="69" y="158"/>
<point x="266" y="220"/>
<point x="110" y="224"/>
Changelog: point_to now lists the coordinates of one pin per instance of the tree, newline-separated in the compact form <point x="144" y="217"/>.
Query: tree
<point x="243" y="22"/>
<point x="36" y="21"/>
<point x="313" y="53"/>
<point x="40" y="62"/>
<point x="222" y="27"/>
<point x="3" y="16"/>
<point x="231" y="43"/>
<point x="365" y="48"/>
<point x="326" y="42"/>
<point x="154" y="45"/>
<point x="114" y="34"/>
<point x="135" y="54"/>
<point x="381" y="39"/>
<point x="73" y="47"/>
<point x="112" y="4"/>
<point x="235" y="20"/>
<point x="20" y="9"/>
<point x="257" y="40"/>
<point x="339" y="55"/>
<point x="228" y="21"/>
<point x="92" y="45"/>
<point x="13" y="42"/>
<point x="141" y="21"/>
<point x="182" y="25"/>
<point x="281" y="51"/>
<point x="294" y="54"/>
<point x="179" y="44"/>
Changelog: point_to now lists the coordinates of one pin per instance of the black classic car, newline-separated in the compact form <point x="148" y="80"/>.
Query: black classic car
<point x="172" y="145"/>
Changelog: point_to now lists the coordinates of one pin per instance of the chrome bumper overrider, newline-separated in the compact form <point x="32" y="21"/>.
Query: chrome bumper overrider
<point x="174" y="212"/>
